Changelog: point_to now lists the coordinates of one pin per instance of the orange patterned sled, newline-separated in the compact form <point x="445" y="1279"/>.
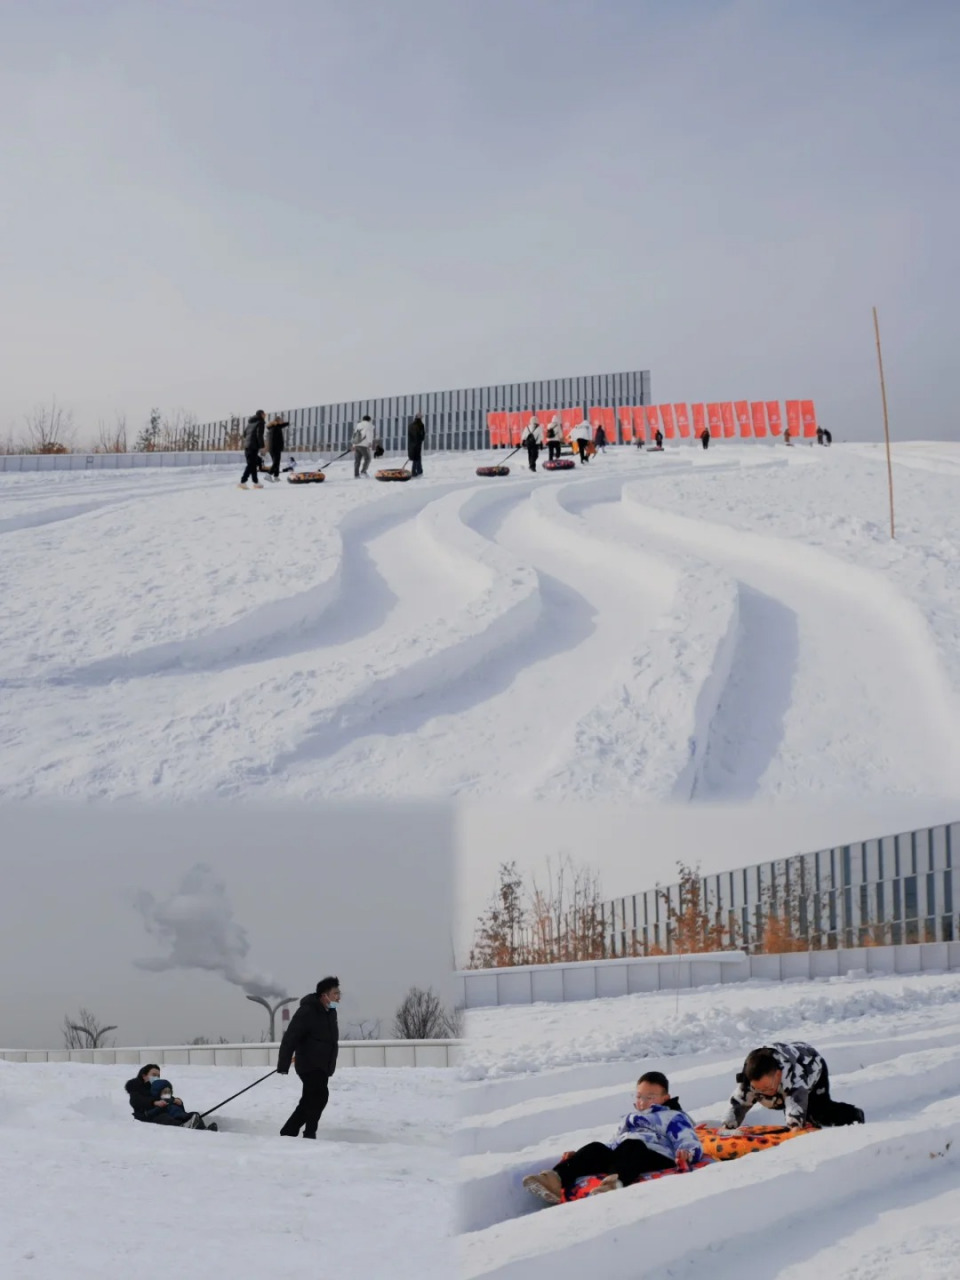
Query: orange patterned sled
<point x="756" y="1137"/>
<point x="395" y="473"/>
<point x="306" y="477"/>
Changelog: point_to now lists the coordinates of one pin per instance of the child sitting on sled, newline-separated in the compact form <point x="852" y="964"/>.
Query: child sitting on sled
<point x="791" y="1077"/>
<point x="657" y="1135"/>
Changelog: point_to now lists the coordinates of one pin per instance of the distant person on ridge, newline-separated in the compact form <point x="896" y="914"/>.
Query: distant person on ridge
<point x="791" y="1077"/>
<point x="362" y="446"/>
<point x="252" y="444"/>
<point x="312" y="1039"/>
<point x="416" y="436"/>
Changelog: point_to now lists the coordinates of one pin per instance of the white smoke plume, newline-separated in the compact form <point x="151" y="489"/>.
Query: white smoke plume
<point x="196" y="929"/>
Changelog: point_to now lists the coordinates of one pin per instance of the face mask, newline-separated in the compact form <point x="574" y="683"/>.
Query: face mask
<point x="334" y="1004"/>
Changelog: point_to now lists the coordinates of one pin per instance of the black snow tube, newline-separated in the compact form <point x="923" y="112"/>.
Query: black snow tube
<point x="561" y="464"/>
<point x="306" y="477"/>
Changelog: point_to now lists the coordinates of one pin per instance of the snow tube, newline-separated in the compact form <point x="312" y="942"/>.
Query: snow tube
<point x="756" y="1137"/>
<point x="561" y="464"/>
<point x="583" y="1187"/>
<point x="655" y="448"/>
<point x="493" y="471"/>
<point x="306" y="477"/>
<point x="394" y="473"/>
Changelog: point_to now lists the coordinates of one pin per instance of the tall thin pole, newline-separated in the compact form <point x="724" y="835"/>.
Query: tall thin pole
<point x="886" y="421"/>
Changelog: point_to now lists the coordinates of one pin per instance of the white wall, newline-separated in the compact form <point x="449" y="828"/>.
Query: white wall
<point x="353" y="1053"/>
<point x="116" y="461"/>
<point x="594" y="979"/>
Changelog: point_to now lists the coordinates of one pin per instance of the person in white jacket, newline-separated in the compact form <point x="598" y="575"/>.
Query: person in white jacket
<point x="581" y="435"/>
<point x="532" y="439"/>
<point x="655" y="1136"/>
<point x="362" y="446"/>
<point x="554" y="438"/>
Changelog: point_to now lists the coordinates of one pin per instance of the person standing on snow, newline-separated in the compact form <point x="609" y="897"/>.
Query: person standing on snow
<point x="581" y="437"/>
<point x="274" y="443"/>
<point x="659" y="439"/>
<point x="600" y="439"/>
<point x="362" y="446"/>
<point x="416" y="435"/>
<point x="252" y="444"/>
<point x="311" y="1042"/>
<point x="531" y="440"/>
<point x="554" y="439"/>
<point x="705" y="438"/>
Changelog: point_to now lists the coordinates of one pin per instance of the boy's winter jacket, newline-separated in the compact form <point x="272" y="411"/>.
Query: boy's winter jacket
<point x="666" y="1130"/>
<point x="802" y="1067"/>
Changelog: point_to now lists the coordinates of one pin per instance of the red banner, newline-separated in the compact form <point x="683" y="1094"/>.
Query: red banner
<point x="496" y="425"/>
<point x="625" y="414"/>
<point x="773" y="417"/>
<point x="514" y="428"/>
<point x="742" y="410"/>
<point x="570" y="418"/>
<point x="726" y="413"/>
<point x="793" y="417"/>
<point x="713" y="420"/>
<point x="683" y="420"/>
<point x="808" y="417"/>
<point x="759" y="419"/>
<point x="653" y="419"/>
<point x="639" y="423"/>
<point x="666" y="417"/>
<point x="699" y="420"/>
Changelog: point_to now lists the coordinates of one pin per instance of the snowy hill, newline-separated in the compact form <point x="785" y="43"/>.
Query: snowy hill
<point x="878" y="1202"/>
<point x="87" y="1192"/>
<point x="731" y="625"/>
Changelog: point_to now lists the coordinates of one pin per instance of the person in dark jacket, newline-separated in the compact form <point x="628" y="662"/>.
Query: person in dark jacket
<point x="252" y="444"/>
<point x="416" y="435"/>
<point x="600" y="438"/>
<point x="311" y="1042"/>
<point x="659" y="439"/>
<point x="274" y="443"/>
<point x="705" y="438"/>
<point x="146" y="1106"/>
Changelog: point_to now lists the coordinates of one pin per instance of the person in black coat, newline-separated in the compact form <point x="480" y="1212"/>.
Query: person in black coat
<point x="311" y="1042"/>
<point x="275" y="446"/>
<point x="252" y="444"/>
<point x="705" y="438"/>
<point x="416" y="434"/>
<point x="152" y="1110"/>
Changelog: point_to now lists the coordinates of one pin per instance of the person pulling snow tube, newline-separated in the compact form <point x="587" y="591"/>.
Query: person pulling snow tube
<point x="306" y="477"/>
<point x="560" y="464"/>
<point x="493" y="471"/>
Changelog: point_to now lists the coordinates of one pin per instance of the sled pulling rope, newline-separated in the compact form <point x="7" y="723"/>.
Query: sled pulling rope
<point x="315" y="477"/>
<point x="498" y="469"/>
<point x="237" y="1094"/>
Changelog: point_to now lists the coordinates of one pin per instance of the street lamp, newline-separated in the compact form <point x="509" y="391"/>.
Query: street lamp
<point x="272" y="1010"/>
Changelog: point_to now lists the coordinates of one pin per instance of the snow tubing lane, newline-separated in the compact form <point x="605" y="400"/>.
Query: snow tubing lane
<point x="397" y="474"/>
<point x="757" y="1137"/>
<point x="493" y="471"/>
<point x="307" y="477"/>
<point x="561" y="464"/>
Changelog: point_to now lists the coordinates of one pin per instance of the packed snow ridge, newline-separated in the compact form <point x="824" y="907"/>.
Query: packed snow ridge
<point x="873" y="1202"/>
<point x="682" y="626"/>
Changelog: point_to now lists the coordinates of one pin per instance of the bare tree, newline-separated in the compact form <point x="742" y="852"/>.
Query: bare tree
<point x="149" y="438"/>
<point x="201" y="1040"/>
<point x="499" y="938"/>
<point x="422" y="1016"/>
<point x="85" y="1032"/>
<point x="364" y="1029"/>
<point x="112" y="438"/>
<point x="49" y="429"/>
<point x="180" y="432"/>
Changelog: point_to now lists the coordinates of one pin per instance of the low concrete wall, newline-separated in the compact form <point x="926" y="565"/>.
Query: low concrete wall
<point x="592" y="980"/>
<point x="353" y="1053"/>
<point x="117" y="461"/>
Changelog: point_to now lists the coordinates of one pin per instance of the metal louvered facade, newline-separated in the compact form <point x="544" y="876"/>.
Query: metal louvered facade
<point x="455" y="420"/>
<point x="896" y="889"/>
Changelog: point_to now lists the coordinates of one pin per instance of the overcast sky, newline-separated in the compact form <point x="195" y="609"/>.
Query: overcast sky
<point x="363" y="893"/>
<point x="219" y="205"/>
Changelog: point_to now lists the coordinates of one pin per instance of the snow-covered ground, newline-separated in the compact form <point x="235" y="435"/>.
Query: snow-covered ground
<point x="878" y="1202"/>
<point x="88" y="1193"/>
<point x="718" y="626"/>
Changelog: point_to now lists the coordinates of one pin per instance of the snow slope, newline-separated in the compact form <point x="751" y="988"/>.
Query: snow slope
<point x="730" y="625"/>
<point x="88" y="1193"/>
<point x="869" y="1203"/>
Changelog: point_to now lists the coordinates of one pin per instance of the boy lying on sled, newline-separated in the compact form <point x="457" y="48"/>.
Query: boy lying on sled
<point x="791" y="1077"/>
<point x="657" y="1136"/>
